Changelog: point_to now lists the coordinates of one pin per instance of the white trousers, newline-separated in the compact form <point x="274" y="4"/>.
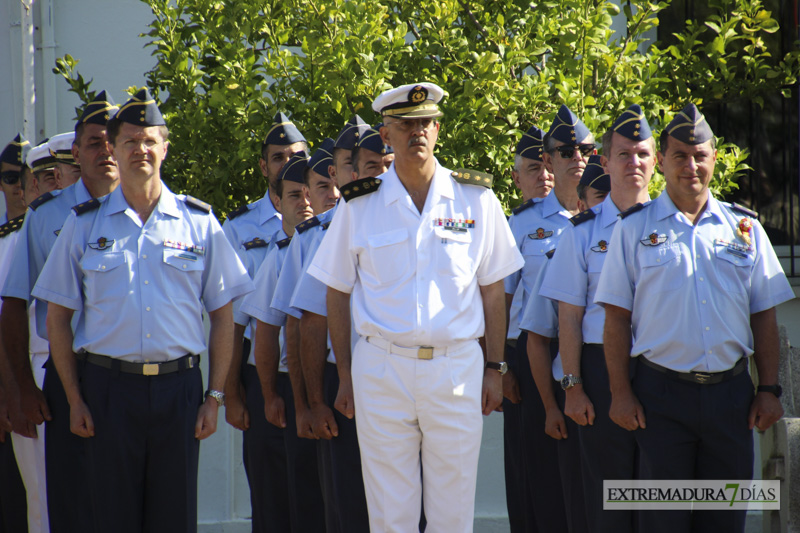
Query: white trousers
<point x="410" y="409"/>
<point x="30" y="461"/>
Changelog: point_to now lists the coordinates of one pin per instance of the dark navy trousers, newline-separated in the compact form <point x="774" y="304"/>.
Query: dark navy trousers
<point x="13" y="506"/>
<point x="608" y="450"/>
<point x="571" y="471"/>
<point x="694" y="432"/>
<point x="512" y="454"/>
<point x="68" y="505"/>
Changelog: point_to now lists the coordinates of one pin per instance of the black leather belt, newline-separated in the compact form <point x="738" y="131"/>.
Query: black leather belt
<point x="701" y="378"/>
<point x="143" y="369"/>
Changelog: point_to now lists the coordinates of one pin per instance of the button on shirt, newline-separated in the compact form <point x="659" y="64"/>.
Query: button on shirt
<point x="691" y="288"/>
<point x="40" y="230"/>
<point x="256" y="305"/>
<point x="536" y="231"/>
<point x="415" y="282"/>
<point x="577" y="264"/>
<point x="140" y="288"/>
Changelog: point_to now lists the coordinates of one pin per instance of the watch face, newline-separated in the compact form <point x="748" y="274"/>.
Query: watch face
<point x="565" y="381"/>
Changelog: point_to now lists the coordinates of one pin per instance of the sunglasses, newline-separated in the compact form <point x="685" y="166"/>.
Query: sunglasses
<point x="10" y="177"/>
<point x="566" y="152"/>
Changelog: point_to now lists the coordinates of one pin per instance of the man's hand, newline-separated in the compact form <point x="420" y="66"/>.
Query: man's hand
<point x="554" y="424"/>
<point x="21" y="424"/>
<point x="236" y="413"/>
<point x="626" y="411"/>
<point x="275" y="410"/>
<point x="579" y="407"/>
<point x="492" y="394"/>
<point x="206" y="423"/>
<point x="344" y="398"/>
<point x="511" y="387"/>
<point x="80" y="420"/>
<point x="765" y="410"/>
<point x="305" y="429"/>
<point x="323" y="423"/>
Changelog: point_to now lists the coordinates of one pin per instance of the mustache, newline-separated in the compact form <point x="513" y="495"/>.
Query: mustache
<point x="418" y="141"/>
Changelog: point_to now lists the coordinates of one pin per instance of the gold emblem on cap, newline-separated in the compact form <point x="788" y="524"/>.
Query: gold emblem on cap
<point x="418" y="94"/>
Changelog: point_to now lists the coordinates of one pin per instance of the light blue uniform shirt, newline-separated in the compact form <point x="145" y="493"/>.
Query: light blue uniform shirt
<point x="256" y="305"/>
<point x="536" y="231"/>
<point x="540" y="315"/>
<point x="261" y="220"/>
<point x="577" y="264"/>
<point x="691" y="288"/>
<point x="140" y="288"/>
<point x="301" y="250"/>
<point x="38" y="235"/>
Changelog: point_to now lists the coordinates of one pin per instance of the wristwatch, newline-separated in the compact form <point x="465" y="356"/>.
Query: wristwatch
<point x="217" y="395"/>
<point x="777" y="390"/>
<point x="501" y="367"/>
<point x="570" y="380"/>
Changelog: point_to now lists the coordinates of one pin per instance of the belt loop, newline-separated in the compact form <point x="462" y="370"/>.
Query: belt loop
<point x="115" y="366"/>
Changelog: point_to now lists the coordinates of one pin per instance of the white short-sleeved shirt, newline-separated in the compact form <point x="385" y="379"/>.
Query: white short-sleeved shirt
<point x="691" y="288"/>
<point x="414" y="282"/>
<point x="256" y="305"/>
<point x="141" y="288"/>
<point x="536" y="230"/>
<point x="577" y="264"/>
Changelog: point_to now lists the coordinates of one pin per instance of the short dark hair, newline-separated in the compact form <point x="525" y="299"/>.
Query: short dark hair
<point x="663" y="143"/>
<point x="354" y="158"/>
<point x="548" y="143"/>
<point x="24" y="172"/>
<point x="582" y="188"/>
<point x="114" y="124"/>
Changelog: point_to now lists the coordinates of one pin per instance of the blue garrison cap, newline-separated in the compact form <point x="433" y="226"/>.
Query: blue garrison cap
<point x="568" y="128"/>
<point x="531" y="145"/>
<point x="14" y="153"/>
<point x="371" y="140"/>
<point x="283" y="132"/>
<point x="594" y="176"/>
<point x="98" y="111"/>
<point x="349" y="135"/>
<point x="295" y="168"/>
<point x="690" y="126"/>
<point x="632" y="124"/>
<point x="141" y="110"/>
<point x="322" y="158"/>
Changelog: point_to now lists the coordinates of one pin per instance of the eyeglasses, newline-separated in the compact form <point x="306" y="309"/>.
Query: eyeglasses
<point x="566" y="152"/>
<point x="412" y="124"/>
<point x="10" y="177"/>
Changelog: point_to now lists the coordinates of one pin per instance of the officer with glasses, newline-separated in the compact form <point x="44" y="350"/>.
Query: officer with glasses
<point x="567" y="147"/>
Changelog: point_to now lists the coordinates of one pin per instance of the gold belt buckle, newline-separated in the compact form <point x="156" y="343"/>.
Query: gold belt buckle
<point x="425" y="352"/>
<point x="150" y="369"/>
<point x="701" y="378"/>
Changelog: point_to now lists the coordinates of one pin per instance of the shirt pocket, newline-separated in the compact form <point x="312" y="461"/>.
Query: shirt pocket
<point x="453" y="256"/>
<point x="734" y="268"/>
<point x="182" y="273"/>
<point x="662" y="269"/>
<point x="105" y="275"/>
<point x="389" y="254"/>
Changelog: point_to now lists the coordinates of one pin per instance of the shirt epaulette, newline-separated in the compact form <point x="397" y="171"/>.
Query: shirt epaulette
<point x="632" y="210"/>
<point x="742" y="209"/>
<point x="550" y="253"/>
<point x="255" y="243"/>
<point x="472" y="177"/>
<point x="46" y="197"/>
<point x="85" y="207"/>
<point x="238" y="211"/>
<point x="12" y="225"/>
<point x="357" y="188"/>
<point x="283" y="243"/>
<point x="582" y="217"/>
<point x="193" y="202"/>
<point x="307" y="225"/>
<point x="522" y="207"/>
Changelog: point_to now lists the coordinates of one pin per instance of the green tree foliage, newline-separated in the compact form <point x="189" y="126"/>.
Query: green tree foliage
<point x="224" y="68"/>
